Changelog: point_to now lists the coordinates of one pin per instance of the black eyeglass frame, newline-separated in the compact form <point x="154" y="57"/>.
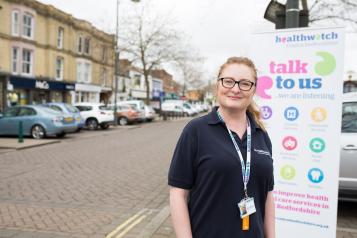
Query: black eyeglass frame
<point x="238" y="82"/>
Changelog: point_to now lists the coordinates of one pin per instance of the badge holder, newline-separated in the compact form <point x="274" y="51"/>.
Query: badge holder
<point x="246" y="208"/>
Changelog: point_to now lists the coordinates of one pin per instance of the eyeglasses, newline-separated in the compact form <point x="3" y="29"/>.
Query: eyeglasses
<point x="244" y="85"/>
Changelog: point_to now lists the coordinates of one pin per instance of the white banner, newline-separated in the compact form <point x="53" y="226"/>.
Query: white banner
<point x="300" y="90"/>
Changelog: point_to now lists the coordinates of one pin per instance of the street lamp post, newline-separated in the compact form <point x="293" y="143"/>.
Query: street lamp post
<point x="116" y="63"/>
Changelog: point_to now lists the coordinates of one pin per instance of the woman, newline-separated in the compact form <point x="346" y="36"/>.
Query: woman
<point x="221" y="174"/>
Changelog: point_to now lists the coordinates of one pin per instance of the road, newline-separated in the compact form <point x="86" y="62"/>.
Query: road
<point x="101" y="184"/>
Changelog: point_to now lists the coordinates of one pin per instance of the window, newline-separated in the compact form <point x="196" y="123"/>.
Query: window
<point x="59" y="68"/>
<point x="15" y="23"/>
<point x="26" y="111"/>
<point x="103" y="76"/>
<point x="349" y="117"/>
<point x="79" y="72"/>
<point x="27" y="61"/>
<point x="60" y="38"/>
<point x="86" y="45"/>
<point x="80" y="44"/>
<point x="137" y="80"/>
<point x="84" y="72"/>
<point x="11" y="112"/>
<point x="27" y="25"/>
<point x="15" y="60"/>
<point x="104" y="54"/>
<point x="87" y="72"/>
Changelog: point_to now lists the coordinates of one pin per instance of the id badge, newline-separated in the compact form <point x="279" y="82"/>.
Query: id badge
<point x="246" y="207"/>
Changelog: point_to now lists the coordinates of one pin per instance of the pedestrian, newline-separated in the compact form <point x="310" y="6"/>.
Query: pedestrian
<point x="221" y="174"/>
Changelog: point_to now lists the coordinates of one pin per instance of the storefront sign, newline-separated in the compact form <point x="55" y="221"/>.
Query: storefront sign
<point x="41" y="84"/>
<point x="31" y="83"/>
<point x="299" y="93"/>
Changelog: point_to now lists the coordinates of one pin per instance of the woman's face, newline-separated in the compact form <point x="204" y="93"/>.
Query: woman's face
<point x="235" y="98"/>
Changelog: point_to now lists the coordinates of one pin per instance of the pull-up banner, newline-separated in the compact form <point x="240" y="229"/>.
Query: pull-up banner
<point x="299" y="92"/>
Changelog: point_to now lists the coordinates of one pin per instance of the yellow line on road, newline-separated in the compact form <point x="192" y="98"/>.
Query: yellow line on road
<point x="125" y="223"/>
<point x="130" y="227"/>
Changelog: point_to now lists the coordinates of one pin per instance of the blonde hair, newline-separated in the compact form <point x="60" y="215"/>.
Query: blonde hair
<point x="252" y="108"/>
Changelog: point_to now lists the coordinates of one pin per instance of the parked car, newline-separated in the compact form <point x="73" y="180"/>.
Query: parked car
<point x="137" y="105"/>
<point x="67" y="109"/>
<point x="348" y="161"/>
<point x="149" y="113"/>
<point x="38" y="122"/>
<point x="95" y="114"/>
<point x="178" y="106"/>
<point x="126" y="114"/>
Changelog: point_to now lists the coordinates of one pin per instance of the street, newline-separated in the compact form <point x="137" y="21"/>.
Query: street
<point x="101" y="184"/>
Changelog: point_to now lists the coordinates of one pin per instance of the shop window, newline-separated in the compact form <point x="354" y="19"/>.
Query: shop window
<point x="15" y="23"/>
<point x="15" y="60"/>
<point x="59" y="68"/>
<point x="27" y="25"/>
<point x="60" y="35"/>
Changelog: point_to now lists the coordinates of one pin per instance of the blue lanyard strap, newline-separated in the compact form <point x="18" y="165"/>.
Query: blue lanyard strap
<point x="245" y="167"/>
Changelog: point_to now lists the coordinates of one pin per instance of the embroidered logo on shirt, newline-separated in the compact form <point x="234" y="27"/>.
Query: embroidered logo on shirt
<point x="262" y="152"/>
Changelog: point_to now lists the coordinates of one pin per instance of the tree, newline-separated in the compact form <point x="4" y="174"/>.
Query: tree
<point x="335" y="10"/>
<point x="149" y="42"/>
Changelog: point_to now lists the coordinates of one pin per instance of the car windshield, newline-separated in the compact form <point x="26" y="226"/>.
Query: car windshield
<point x="71" y="108"/>
<point x="49" y="110"/>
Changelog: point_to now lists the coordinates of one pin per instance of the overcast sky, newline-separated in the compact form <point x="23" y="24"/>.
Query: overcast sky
<point x="218" y="28"/>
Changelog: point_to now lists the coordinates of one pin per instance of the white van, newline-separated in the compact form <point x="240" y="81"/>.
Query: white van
<point x="179" y="106"/>
<point x="138" y="105"/>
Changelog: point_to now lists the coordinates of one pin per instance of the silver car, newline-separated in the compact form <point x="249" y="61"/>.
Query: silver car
<point x="348" y="163"/>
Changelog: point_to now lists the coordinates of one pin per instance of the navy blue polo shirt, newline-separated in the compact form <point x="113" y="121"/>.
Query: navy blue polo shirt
<point x="206" y="163"/>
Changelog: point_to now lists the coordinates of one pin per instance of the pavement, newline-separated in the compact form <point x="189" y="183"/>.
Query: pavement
<point x="12" y="143"/>
<point x="102" y="184"/>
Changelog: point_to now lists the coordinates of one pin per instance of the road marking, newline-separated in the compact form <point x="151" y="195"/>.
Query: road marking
<point x="130" y="227"/>
<point x="349" y="230"/>
<point x="127" y="222"/>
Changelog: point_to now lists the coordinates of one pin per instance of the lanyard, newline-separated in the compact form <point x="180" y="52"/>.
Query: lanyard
<point x="245" y="168"/>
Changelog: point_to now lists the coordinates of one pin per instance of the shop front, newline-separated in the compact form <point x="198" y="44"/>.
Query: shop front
<point x="86" y="93"/>
<point x="22" y="91"/>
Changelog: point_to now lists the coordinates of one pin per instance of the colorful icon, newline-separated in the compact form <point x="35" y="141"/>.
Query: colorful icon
<point x="315" y="175"/>
<point x="327" y="65"/>
<point x="291" y="113"/>
<point x="317" y="145"/>
<point x="319" y="114"/>
<point x="287" y="172"/>
<point x="266" y="112"/>
<point x="289" y="143"/>
<point x="263" y="85"/>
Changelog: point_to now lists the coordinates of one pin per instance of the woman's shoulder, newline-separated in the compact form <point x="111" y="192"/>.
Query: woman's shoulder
<point x="197" y="123"/>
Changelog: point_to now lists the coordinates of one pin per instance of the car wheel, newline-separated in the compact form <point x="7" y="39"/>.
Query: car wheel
<point x="92" y="124"/>
<point x="104" y="126"/>
<point x="185" y="114"/>
<point x="61" y="135"/>
<point x="123" y="121"/>
<point x="38" y="132"/>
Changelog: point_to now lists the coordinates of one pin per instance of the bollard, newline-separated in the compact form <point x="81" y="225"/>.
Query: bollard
<point x="164" y="115"/>
<point x="21" y="133"/>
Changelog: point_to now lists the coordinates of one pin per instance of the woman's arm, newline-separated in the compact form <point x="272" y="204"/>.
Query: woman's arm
<point x="269" y="219"/>
<point x="179" y="212"/>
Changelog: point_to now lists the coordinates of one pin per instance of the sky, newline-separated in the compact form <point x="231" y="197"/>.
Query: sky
<point x="217" y="28"/>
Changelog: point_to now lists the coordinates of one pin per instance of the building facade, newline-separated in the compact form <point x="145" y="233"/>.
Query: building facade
<point x="48" y="55"/>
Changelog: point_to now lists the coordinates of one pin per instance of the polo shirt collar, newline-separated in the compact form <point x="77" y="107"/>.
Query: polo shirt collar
<point x="213" y="119"/>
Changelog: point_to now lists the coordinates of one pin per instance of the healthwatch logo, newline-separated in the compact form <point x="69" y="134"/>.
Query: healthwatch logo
<point x="304" y="79"/>
<point x="293" y="38"/>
